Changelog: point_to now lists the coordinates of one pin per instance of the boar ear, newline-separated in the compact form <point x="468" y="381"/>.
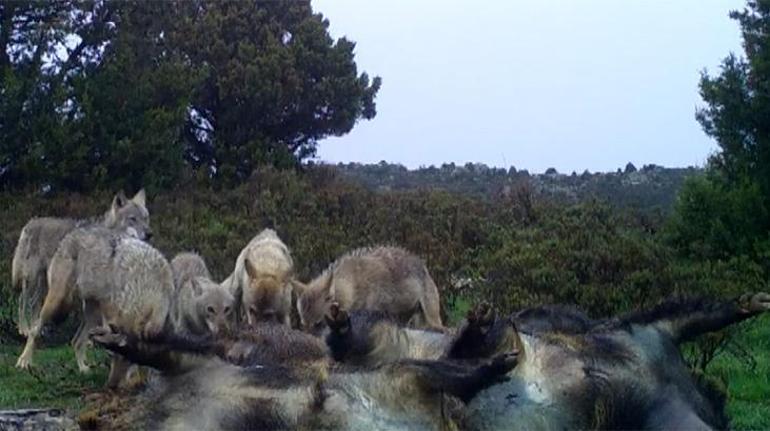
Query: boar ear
<point x="337" y="319"/>
<point x="140" y="198"/>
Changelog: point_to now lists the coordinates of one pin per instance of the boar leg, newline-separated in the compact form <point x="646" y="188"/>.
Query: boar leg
<point x="686" y="320"/>
<point x="169" y="354"/>
<point x="461" y="381"/>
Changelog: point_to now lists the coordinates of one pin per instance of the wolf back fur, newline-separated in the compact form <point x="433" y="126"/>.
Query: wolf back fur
<point x="387" y="279"/>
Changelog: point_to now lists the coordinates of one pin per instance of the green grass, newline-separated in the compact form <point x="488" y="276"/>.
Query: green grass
<point x="54" y="381"/>
<point x="749" y="390"/>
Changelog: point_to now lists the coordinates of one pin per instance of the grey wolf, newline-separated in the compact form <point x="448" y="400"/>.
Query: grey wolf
<point x="41" y="236"/>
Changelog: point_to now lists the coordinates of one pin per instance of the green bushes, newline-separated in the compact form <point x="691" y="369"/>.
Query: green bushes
<point x="526" y="253"/>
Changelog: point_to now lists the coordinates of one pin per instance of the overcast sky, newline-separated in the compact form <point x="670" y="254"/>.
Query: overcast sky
<point x="570" y="84"/>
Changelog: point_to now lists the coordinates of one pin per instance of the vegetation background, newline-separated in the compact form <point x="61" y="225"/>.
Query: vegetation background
<point x="216" y="108"/>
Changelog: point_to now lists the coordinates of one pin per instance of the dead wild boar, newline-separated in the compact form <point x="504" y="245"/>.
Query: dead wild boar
<point x="387" y="279"/>
<point x="201" y="391"/>
<point x="261" y="280"/>
<point x="372" y="338"/>
<point x="621" y="373"/>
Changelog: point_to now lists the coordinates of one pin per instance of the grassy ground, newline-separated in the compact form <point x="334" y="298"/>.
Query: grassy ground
<point x="749" y="390"/>
<point x="55" y="381"/>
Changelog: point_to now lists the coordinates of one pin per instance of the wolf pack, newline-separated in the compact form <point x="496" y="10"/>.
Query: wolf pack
<point x="362" y="346"/>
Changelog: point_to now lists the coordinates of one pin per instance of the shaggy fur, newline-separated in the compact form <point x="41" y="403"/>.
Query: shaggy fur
<point x="387" y="279"/>
<point x="41" y="236"/>
<point x="261" y="280"/>
<point x="121" y="280"/>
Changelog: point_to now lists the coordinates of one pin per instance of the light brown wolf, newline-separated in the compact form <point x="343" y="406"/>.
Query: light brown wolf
<point x="41" y="236"/>
<point x="200" y="306"/>
<point x="121" y="281"/>
<point x="261" y="281"/>
<point x="387" y="279"/>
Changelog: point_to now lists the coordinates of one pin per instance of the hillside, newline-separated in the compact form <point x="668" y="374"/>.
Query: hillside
<point x="650" y="187"/>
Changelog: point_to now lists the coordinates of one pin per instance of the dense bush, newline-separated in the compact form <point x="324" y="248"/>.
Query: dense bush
<point x="515" y="251"/>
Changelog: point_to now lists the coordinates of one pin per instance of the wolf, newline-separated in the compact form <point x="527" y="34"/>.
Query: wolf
<point x="202" y="391"/>
<point x="186" y="266"/>
<point x="388" y="279"/>
<point x="120" y="280"/>
<point x="41" y="236"/>
<point x="624" y="372"/>
<point x="200" y="306"/>
<point x="261" y="280"/>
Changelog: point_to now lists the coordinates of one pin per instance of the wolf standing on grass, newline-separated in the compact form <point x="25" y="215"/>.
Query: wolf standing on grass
<point x="120" y="280"/>
<point x="41" y="236"/>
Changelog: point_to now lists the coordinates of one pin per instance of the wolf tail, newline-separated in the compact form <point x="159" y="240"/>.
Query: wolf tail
<point x="28" y="278"/>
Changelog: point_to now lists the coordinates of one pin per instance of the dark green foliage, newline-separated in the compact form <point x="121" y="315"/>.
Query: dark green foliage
<point x="276" y="83"/>
<point x="725" y="214"/>
<point x="717" y="220"/>
<point x="126" y="94"/>
<point x="516" y="252"/>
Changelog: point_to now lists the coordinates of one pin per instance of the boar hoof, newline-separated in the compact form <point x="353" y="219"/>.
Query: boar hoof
<point x="107" y="337"/>
<point x="505" y="362"/>
<point x="337" y="319"/>
<point x="756" y="302"/>
<point x="482" y="316"/>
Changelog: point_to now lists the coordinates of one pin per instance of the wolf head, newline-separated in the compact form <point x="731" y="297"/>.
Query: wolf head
<point x="130" y="215"/>
<point x="213" y="305"/>
<point x="313" y="300"/>
<point x="268" y="298"/>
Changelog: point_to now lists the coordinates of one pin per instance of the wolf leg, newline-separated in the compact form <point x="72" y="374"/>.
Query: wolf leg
<point x="92" y="318"/>
<point x="461" y="381"/>
<point x="56" y="303"/>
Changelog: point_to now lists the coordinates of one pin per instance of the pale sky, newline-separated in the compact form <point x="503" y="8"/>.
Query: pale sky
<point x="570" y="84"/>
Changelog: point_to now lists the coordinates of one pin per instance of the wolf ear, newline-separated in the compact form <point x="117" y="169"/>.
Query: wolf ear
<point x="119" y="201"/>
<point x="250" y="270"/>
<point x="197" y="286"/>
<point x="298" y="288"/>
<point x="140" y="198"/>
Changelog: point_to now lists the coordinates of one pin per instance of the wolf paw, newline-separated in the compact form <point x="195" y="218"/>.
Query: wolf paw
<point x="755" y="302"/>
<point x="337" y="318"/>
<point x="23" y="363"/>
